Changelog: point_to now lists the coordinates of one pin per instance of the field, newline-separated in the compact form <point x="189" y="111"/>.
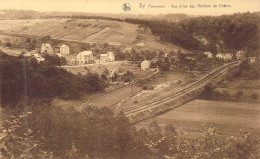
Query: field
<point x="228" y="118"/>
<point x="246" y="87"/>
<point x="86" y="31"/>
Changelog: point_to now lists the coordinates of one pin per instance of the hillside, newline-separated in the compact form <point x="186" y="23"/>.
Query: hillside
<point x="99" y="31"/>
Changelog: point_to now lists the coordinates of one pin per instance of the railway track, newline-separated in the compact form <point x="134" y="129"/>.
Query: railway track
<point x="179" y="92"/>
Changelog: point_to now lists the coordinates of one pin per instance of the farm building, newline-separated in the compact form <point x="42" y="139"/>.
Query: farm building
<point x="64" y="49"/>
<point x="111" y="56"/>
<point x="225" y="56"/>
<point x="46" y="49"/>
<point x="104" y="58"/>
<point x="252" y="59"/>
<point x="85" y="57"/>
<point x="209" y="54"/>
<point x="145" y="65"/>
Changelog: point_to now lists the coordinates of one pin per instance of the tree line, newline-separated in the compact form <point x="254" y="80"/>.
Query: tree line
<point x="21" y="78"/>
<point x="53" y="132"/>
<point x="228" y="32"/>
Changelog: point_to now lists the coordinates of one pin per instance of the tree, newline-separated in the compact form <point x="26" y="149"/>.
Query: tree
<point x="18" y="142"/>
<point x="28" y="40"/>
<point x="208" y="92"/>
<point x="46" y="38"/>
<point x="239" y="94"/>
<point x="8" y="44"/>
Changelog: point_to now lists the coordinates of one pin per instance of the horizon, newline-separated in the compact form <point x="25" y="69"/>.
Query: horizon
<point x="115" y="7"/>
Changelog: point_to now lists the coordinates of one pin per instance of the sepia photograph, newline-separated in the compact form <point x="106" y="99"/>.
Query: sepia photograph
<point x="129" y="79"/>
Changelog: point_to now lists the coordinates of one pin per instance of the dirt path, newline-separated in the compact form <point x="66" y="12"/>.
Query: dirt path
<point x="93" y="36"/>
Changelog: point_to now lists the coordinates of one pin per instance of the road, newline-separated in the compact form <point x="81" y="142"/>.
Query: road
<point x="170" y="97"/>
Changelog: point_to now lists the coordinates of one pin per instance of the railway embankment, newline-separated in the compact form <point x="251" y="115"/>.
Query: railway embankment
<point x="184" y="95"/>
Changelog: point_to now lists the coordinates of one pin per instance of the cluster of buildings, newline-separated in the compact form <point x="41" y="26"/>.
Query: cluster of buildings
<point x="87" y="57"/>
<point x="84" y="57"/>
<point x="46" y="49"/>
<point x="240" y="55"/>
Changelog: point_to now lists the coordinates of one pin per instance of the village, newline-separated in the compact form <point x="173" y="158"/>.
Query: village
<point x="86" y="83"/>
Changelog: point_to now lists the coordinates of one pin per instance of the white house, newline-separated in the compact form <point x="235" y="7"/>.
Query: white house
<point x="104" y="58"/>
<point x="209" y="54"/>
<point x="111" y="56"/>
<point x="85" y="57"/>
<point x="46" y="49"/>
<point x="252" y="59"/>
<point x="225" y="56"/>
<point x="145" y="65"/>
<point x="64" y="49"/>
<point x="240" y="54"/>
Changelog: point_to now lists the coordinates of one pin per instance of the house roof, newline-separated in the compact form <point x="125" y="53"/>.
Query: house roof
<point x="225" y="54"/>
<point x="86" y="53"/>
<point x="46" y="44"/>
<point x="64" y="45"/>
<point x="110" y="53"/>
<point x="145" y="61"/>
<point x="103" y="55"/>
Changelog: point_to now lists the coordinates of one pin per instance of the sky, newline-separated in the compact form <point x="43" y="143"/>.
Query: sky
<point x="115" y="6"/>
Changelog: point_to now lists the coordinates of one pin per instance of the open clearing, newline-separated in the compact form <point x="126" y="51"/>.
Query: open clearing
<point x="227" y="117"/>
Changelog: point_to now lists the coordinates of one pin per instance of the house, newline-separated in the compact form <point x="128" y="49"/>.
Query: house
<point x="38" y="58"/>
<point x="145" y="65"/>
<point x="64" y="49"/>
<point x="111" y="56"/>
<point x="209" y="54"/>
<point x="252" y="59"/>
<point x="104" y="58"/>
<point x="224" y="56"/>
<point x="85" y="57"/>
<point x="240" y="54"/>
<point x="46" y="49"/>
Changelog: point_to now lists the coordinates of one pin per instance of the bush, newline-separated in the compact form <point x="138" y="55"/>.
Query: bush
<point x="225" y="93"/>
<point x="8" y="44"/>
<point x="239" y="94"/>
<point x="254" y="96"/>
<point x="208" y="92"/>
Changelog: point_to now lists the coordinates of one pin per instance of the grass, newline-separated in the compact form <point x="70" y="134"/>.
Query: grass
<point x="228" y="117"/>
